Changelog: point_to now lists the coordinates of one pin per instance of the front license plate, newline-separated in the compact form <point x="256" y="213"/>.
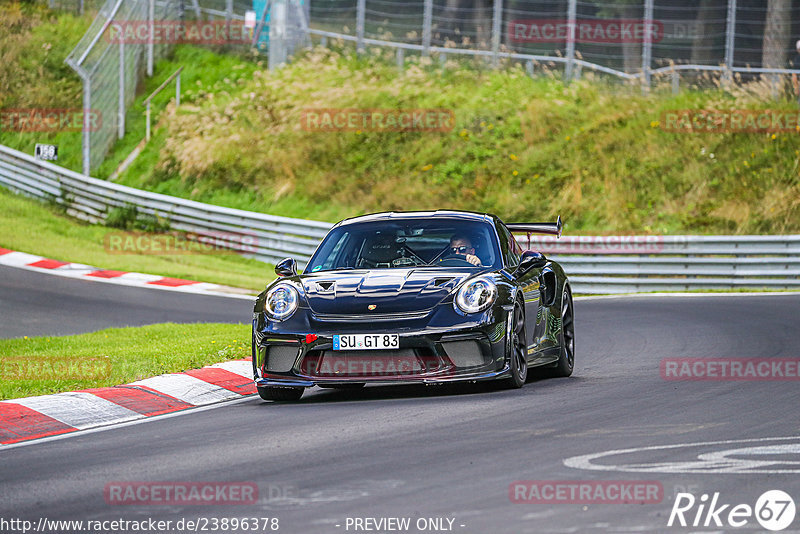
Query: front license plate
<point x="365" y="341"/>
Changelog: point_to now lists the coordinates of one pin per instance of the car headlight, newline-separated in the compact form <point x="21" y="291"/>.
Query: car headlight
<point x="281" y="301"/>
<point x="476" y="295"/>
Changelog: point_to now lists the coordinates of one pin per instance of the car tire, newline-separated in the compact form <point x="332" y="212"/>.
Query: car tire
<point x="566" y="338"/>
<point x="518" y="357"/>
<point x="280" y="394"/>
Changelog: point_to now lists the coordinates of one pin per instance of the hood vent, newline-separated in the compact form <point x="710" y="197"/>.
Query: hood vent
<point x="439" y="282"/>
<point x="325" y="287"/>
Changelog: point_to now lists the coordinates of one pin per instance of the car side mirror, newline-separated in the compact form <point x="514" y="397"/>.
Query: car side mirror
<point x="530" y="259"/>
<point x="286" y="267"/>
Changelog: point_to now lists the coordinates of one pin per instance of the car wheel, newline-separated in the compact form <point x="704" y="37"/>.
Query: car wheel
<point x="566" y="338"/>
<point x="518" y="357"/>
<point x="280" y="394"/>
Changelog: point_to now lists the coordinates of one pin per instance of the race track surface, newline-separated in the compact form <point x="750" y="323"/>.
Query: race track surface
<point x="449" y="452"/>
<point x="38" y="304"/>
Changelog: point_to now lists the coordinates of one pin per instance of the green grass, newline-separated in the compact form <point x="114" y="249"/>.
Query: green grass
<point x="115" y="356"/>
<point x="525" y="149"/>
<point x="33" y="74"/>
<point x="30" y="226"/>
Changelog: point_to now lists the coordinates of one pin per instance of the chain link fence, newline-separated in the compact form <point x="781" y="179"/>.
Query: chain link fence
<point x="628" y="36"/>
<point x="706" y="41"/>
<point x="111" y="71"/>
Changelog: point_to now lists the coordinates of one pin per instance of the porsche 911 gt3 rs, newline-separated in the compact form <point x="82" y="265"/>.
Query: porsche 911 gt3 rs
<point x="414" y="297"/>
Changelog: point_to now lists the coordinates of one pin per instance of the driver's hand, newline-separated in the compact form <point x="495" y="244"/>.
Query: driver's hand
<point x="474" y="260"/>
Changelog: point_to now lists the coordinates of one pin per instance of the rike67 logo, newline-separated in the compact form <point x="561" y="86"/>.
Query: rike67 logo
<point x="774" y="510"/>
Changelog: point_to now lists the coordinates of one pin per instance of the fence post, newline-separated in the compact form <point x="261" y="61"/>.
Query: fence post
<point x="361" y="9"/>
<point x="427" y="20"/>
<point x="147" y="118"/>
<point x="730" y="35"/>
<point x="572" y="9"/>
<point x="400" y="58"/>
<point x="87" y="112"/>
<point x="676" y="80"/>
<point x="277" y="34"/>
<point x="647" y="45"/>
<point x="197" y="13"/>
<point x="151" y="15"/>
<point x="497" y="23"/>
<point x="228" y="15"/>
<point x="121" y="100"/>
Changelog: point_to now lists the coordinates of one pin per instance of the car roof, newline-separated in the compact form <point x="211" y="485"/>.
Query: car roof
<point x="438" y="214"/>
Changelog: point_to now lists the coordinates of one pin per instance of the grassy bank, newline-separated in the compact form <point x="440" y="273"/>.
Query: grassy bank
<point x="523" y="148"/>
<point x="595" y="152"/>
<point x="114" y="356"/>
<point x="30" y="226"/>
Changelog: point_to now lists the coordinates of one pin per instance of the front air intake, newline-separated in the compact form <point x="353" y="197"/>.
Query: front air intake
<point x="281" y="358"/>
<point x="464" y="353"/>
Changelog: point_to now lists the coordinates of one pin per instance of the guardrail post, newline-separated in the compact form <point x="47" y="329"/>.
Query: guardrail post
<point x="400" y="58"/>
<point x="572" y="9"/>
<point x="427" y="21"/>
<point x="497" y="23"/>
<point x="360" y="15"/>
<point x="178" y="89"/>
<point x="529" y="68"/>
<point x="647" y="45"/>
<point x="730" y="35"/>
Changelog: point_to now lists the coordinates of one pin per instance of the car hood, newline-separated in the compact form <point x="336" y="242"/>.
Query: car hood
<point x="352" y="292"/>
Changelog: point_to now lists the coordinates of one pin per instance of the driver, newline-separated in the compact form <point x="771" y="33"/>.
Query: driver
<point x="461" y="245"/>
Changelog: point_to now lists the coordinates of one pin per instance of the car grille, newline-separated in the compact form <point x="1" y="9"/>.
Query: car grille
<point x="369" y="363"/>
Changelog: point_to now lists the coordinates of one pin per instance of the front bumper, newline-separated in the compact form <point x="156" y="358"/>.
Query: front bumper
<point x="474" y="352"/>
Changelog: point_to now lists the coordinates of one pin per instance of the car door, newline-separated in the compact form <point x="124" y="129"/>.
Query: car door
<point x="528" y="283"/>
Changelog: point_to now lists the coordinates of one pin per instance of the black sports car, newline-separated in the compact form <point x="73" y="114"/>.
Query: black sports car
<point x="425" y="297"/>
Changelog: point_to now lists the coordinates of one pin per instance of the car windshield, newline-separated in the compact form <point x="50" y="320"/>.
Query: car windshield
<point x="398" y="243"/>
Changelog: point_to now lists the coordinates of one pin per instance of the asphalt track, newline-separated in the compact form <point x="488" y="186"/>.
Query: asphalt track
<point x="442" y="452"/>
<point x="38" y="304"/>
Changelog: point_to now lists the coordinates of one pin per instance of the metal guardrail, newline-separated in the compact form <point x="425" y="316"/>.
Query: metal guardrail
<point x="265" y="237"/>
<point x="595" y="264"/>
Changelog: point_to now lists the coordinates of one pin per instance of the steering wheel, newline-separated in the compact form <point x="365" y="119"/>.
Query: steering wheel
<point x="455" y="261"/>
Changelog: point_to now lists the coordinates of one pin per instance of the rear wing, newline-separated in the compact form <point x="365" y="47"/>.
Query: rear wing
<point x="538" y="228"/>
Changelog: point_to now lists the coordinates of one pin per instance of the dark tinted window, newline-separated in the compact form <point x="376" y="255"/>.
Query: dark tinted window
<point x="509" y="247"/>
<point x="403" y="243"/>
